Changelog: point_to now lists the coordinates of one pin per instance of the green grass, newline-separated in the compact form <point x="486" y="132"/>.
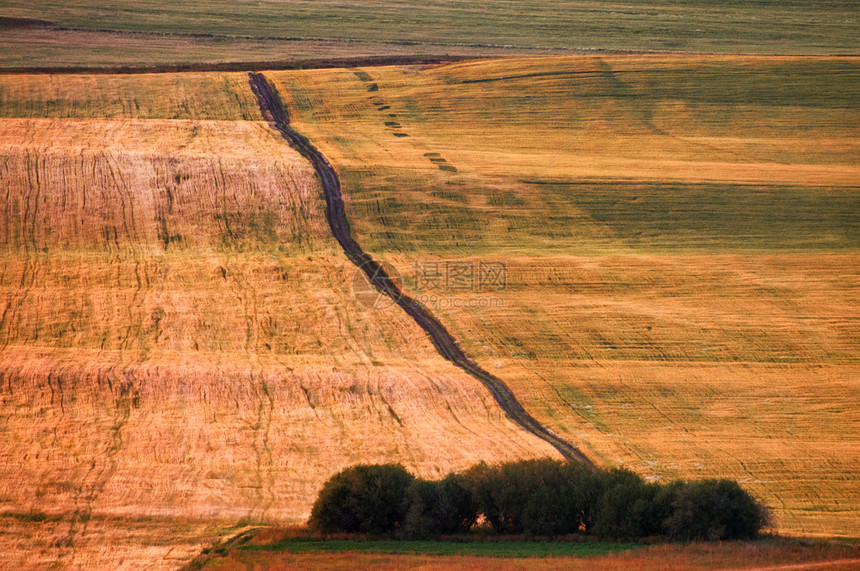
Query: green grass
<point x="567" y="217"/>
<point x="708" y="217"/>
<point x="514" y="549"/>
<point x="222" y="30"/>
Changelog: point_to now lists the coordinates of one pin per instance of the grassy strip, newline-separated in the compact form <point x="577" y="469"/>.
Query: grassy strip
<point x="107" y="33"/>
<point x="515" y="549"/>
<point x="733" y="554"/>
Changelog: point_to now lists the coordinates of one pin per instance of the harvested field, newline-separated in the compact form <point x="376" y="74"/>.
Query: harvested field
<point x="181" y="352"/>
<point x="180" y="349"/>
<point x="378" y="281"/>
<point x="36" y="541"/>
<point x="182" y="96"/>
<point x="680" y="246"/>
<point x="108" y="32"/>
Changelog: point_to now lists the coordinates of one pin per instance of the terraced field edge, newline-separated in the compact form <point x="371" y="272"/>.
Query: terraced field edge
<point x="298" y="63"/>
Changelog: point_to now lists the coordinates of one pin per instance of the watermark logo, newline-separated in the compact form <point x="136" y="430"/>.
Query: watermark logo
<point x="377" y="285"/>
<point x="461" y="276"/>
<point x="436" y="284"/>
<point x="443" y="302"/>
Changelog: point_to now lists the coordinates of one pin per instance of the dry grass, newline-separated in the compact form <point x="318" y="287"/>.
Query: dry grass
<point x="105" y="542"/>
<point x="186" y="96"/>
<point x="179" y="339"/>
<point x="681" y="247"/>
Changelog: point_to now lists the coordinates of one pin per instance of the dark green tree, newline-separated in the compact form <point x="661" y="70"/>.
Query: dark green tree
<point x="362" y="498"/>
<point x="438" y="508"/>
<point x="539" y="497"/>
<point x="503" y="491"/>
<point x="627" y="507"/>
<point x="714" y="510"/>
<point x="481" y="480"/>
<point x="563" y="501"/>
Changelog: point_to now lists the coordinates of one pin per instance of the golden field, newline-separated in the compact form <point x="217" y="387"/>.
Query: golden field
<point x="175" y="96"/>
<point x="181" y="353"/>
<point x="680" y="235"/>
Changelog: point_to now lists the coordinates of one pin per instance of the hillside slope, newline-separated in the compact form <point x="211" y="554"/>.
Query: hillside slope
<point x="180" y="347"/>
<point x="680" y="242"/>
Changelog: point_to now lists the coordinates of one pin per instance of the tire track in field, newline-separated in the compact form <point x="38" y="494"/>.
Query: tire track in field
<point x="273" y="110"/>
<point x="99" y="474"/>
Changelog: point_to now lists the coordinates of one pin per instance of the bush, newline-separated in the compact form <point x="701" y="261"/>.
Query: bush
<point x="539" y="497"/>
<point x="714" y="510"/>
<point x="363" y="498"/>
<point x="536" y="497"/>
<point x="438" y="508"/>
<point x="627" y="507"/>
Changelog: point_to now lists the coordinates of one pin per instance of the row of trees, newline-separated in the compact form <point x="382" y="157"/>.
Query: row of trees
<point x="535" y="497"/>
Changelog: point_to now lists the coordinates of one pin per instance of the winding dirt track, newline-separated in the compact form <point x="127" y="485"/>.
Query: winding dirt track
<point x="446" y="345"/>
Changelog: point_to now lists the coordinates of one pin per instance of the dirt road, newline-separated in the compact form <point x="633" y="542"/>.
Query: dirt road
<point x="273" y="109"/>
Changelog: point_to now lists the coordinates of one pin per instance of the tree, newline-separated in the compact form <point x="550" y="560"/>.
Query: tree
<point x="362" y="498"/>
<point x="438" y="508"/>
<point x="714" y="510"/>
<point x="563" y="501"/>
<point x="540" y="497"/>
<point x="481" y="480"/>
<point x="627" y="507"/>
<point x="537" y="497"/>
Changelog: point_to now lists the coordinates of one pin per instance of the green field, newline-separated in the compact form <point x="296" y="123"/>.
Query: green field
<point x="591" y="155"/>
<point x="481" y="548"/>
<point x="268" y="552"/>
<point x="112" y="33"/>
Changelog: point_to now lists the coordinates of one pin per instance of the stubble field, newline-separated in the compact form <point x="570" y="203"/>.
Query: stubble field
<point x="680" y="236"/>
<point x="182" y="353"/>
<point x="180" y="349"/>
<point x="67" y="33"/>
